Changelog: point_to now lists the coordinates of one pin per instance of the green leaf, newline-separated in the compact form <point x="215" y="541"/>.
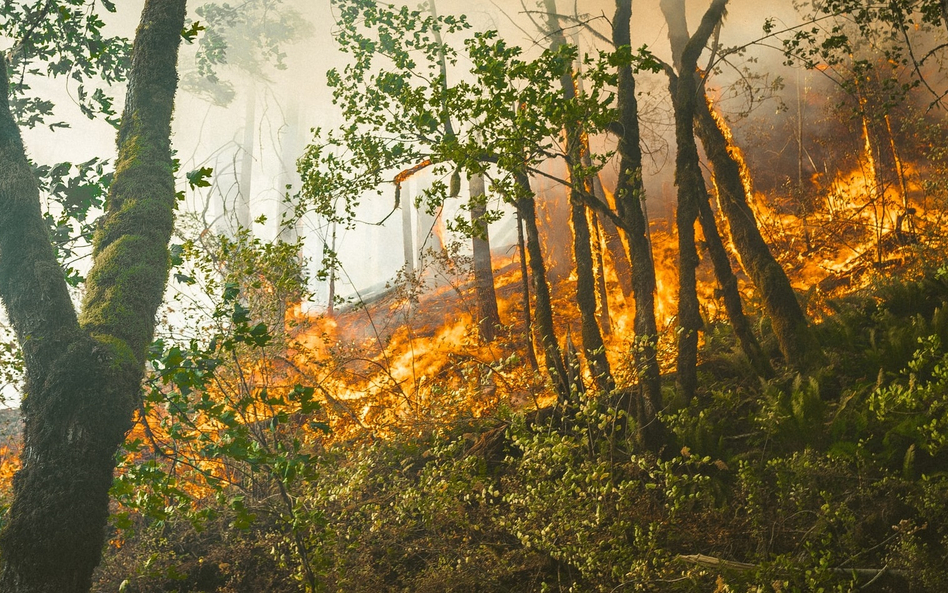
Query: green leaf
<point x="189" y="34"/>
<point x="199" y="177"/>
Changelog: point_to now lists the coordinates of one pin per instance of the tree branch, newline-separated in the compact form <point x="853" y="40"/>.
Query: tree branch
<point x="32" y="284"/>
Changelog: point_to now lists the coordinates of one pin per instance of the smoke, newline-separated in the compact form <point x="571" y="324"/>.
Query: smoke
<point x="288" y="103"/>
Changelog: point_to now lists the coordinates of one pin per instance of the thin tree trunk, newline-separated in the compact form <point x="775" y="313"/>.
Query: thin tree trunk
<point x="290" y="149"/>
<point x="730" y="292"/>
<point x="408" y="241"/>
<point x="82" y="375"/>
<point x="244" y="190"/>
<point x="487" y="316"/>
<point x="331" y="297"/>
<point x="602" y="289"/>
<point x="613" y="240"/>
<point x="593" y="346"/>
<point x="629" y="197"/>
<point x="525" y="280"/>
<point x="544" y="308"/>
<point x="690" y="191"/>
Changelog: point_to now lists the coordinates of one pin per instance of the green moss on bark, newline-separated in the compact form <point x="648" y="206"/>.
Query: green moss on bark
<point x="83" y="376"/>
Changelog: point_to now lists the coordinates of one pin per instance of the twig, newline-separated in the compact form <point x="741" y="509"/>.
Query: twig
<point x="711" y="562"/>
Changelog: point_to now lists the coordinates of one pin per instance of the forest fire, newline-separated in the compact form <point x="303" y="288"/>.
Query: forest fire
<point x="655" y="314"/>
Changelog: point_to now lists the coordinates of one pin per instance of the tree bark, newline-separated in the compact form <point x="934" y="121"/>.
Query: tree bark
<point x="602" y="288"/>
<point x="620" y="257"/>
<point x="243" y="217"/>
<point x="487" y="316"/>
<point x="544" y="308"/>
<point x="593" y="346"/>
<point x="796" y="342"/>
<point x="83" y="375"/>
<point x="628" y="196"/>
<point x="408" y="241"/>
<point x="690" y="190"/>
<point x="525" y="280"/>
<point x="730" y="292"/>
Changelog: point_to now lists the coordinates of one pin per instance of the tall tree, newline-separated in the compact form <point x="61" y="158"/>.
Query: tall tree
<point x="488" y="317"/>
<point x="628" y="197"/>
<point x="526" y="209"/>
<point x="721" y="261"/>
<point x="691" y="191"/>
<point x="84" y="372"/>
<point x="525" y="296"/>
<point x="593" y="346"/>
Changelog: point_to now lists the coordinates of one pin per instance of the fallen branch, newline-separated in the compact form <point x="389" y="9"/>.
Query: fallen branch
<point x="862" y="573"/>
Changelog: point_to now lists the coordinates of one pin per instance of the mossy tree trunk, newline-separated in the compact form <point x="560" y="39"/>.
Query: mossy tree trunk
<point x="83" y="373"/>
<point x="628" y="196"/>
<point x="488" y="319"/>
<point x="690" y="191"/>
<point x="543" y="318"/>
<point x="593" y="346"/>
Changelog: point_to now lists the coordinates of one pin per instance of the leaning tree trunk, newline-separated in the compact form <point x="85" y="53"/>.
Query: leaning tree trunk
<point x="593" y="346"/>
<point x="730" y="292"/>
<point x="628" y="197"/>
<point x="487" y="316"/>
<point x="690" y="190"/>
<point x="780" y="302"/>
<point x="543" y="317"/>
<point x="797" y="344"/>
<point x="83" y="375"/>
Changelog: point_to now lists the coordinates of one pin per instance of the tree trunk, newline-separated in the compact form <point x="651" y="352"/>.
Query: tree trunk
<point x="674" y="11"/>
<point x="487" y="316"/>
<point x="617" y="251"/>
<point x="593" y="346"/>
<point x="794" y="337"/>
<point x="690" y="191"/>
<point x="243" y="215"/>
<point x="602" y="288"/>
<point x="289" y="177"/>
<point x="408" y="241"/>
<point x="525" y="280"/>
<point x="83" y="375"/>
<point x="730" y="292"/>
<point x="628" y="196"/>
<point x="544" y="309"/>
<point x="779" y="300"/>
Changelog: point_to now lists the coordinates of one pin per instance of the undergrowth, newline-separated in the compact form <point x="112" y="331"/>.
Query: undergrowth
<point x="833" y="481"/>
